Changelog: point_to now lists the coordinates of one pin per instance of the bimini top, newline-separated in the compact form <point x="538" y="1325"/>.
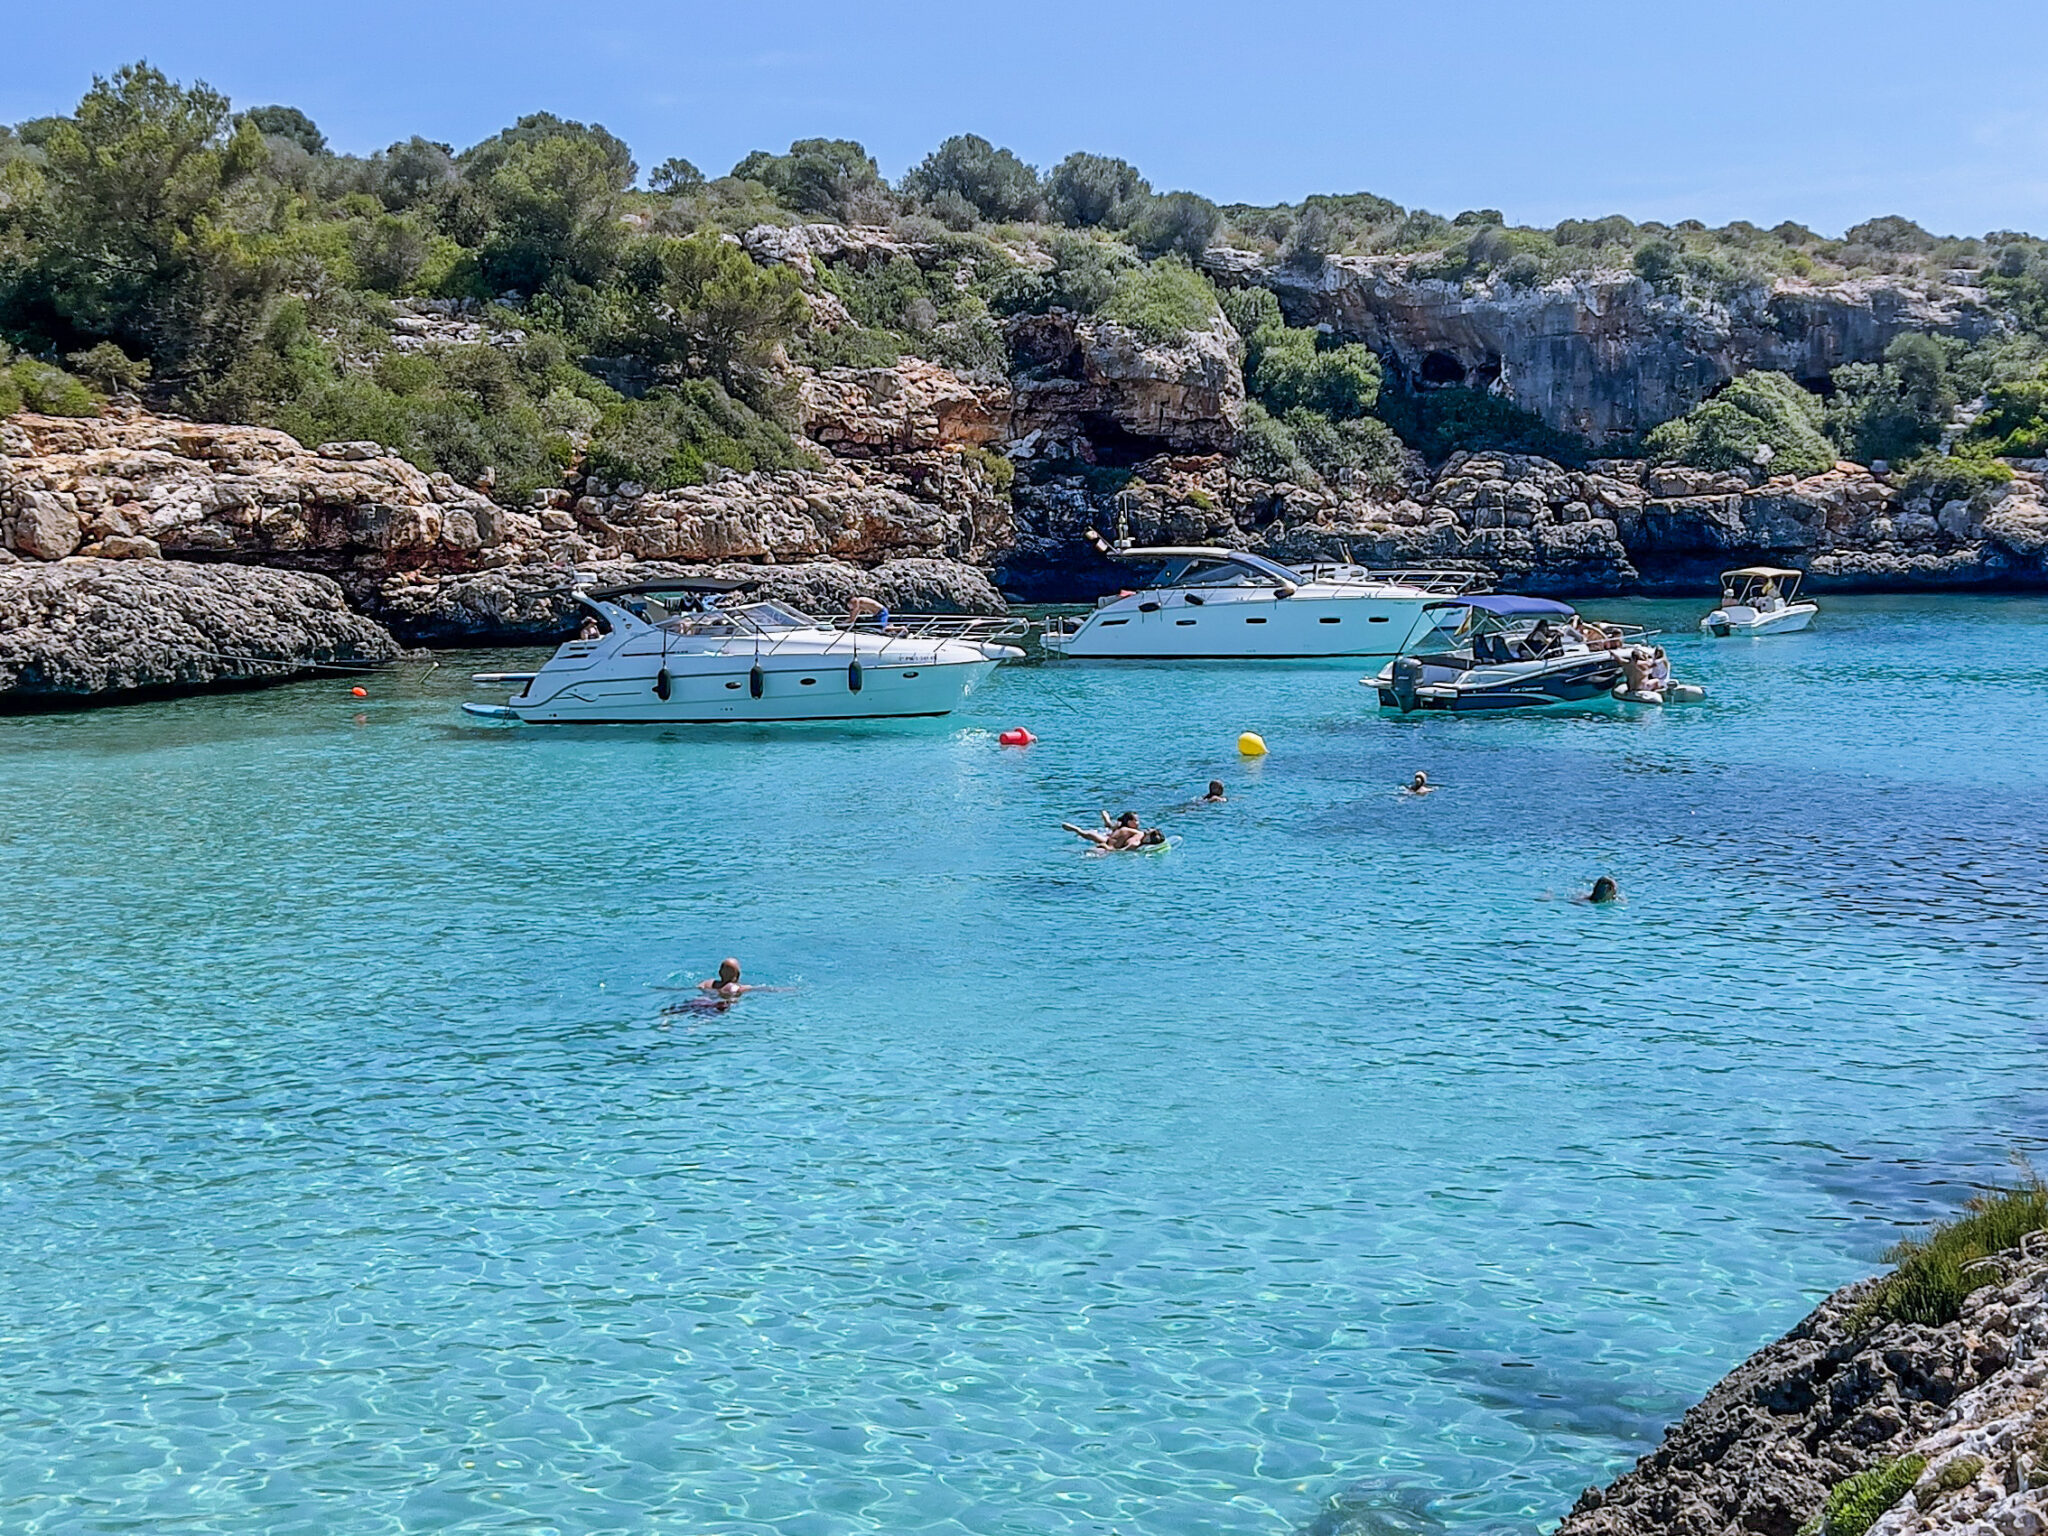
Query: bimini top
<point x="702" y="584"/>
<point x="1506" y="605"/>
<point x="1765" y="571"/>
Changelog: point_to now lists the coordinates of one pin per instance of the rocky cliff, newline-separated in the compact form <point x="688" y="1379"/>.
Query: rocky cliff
<point x="1615" y="526"/>
<point x="1605" y="355"/>
<point x="84" y="628"/>
<point x="1968" y="1400"/>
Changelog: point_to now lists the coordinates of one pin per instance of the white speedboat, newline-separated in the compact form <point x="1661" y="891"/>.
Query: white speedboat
<point x="1211" y="603"/>
<point x="693" y="651"/>
<point x="1759" y="600"/>
<point x="1508" y="652"/>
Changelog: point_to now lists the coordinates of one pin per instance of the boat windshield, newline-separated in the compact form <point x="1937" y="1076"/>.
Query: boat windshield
<point x="1209" y="573"/>
<point x="755" y="618"/>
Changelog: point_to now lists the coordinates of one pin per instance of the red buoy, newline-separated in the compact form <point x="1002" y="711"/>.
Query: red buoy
<point x="1017" y="738"/>
<point x="361" y="693"/>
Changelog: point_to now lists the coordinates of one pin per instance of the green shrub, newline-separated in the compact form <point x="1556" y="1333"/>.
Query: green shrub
<point x="2015" y="420"/>
<point x="1936" y="1273"/>
<point x="1365" y="447"/>
<point x="27" y="385"/>
<point x="992" y="182"/>
<point x="1085" y="190"/>
<point x="1854" y="1504"/>
<point x="1439" y="422"/>
<point x="1178" y="223"/>
<point x="1756" y="412"/>
<point x="1249" y="311"/>
<point x="1294" y="371"/>
<point x="108" y="369"/>
<point x="675" y="435"/>
<point x="1266" y="448"/>
<point x="1957" y="1473"/>
<point x="1002" y="474"/>
<point x="1969" y="475"/>
<point x="1162" y="302"/>
<point x="817" y="176"/>
<point x="1083" y="275"/>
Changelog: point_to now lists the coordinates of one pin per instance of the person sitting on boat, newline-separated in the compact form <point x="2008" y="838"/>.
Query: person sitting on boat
<point x="727" y="983"/>
<point x="1597" y="638"/>
<point x="858" y="608"/>
<point x="589" y="629"/>
<point x="1635" y="670"/>
<point x="1660" y="669"/>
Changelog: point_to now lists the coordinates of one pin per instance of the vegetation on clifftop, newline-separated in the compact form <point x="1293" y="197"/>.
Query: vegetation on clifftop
<point x="237" y="265"/>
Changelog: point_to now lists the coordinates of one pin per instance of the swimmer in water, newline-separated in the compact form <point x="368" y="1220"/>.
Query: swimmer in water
<point x="1604" y="890"/>
<point x="1419" y="785"/>
<point x="726" y="985"/>
<point x="1215" y="795"/>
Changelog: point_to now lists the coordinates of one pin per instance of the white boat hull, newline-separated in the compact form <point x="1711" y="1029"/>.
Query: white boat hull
<point x="708" y="690"/>
<point x="1726" y="623"/>
<point x="1252" y="625"/>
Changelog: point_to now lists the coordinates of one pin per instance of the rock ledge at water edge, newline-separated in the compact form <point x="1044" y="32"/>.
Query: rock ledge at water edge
<point x="80" y="630"/>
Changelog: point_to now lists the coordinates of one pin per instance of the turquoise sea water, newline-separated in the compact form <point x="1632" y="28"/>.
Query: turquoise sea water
<point x="351" y="1179"/>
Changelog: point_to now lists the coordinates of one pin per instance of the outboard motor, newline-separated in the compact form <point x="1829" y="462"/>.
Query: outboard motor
<point x="1407" y="677"/>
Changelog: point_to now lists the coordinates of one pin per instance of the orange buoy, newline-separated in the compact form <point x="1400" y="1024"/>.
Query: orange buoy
<point x="361" y="693"/>
<point x="1017" y="738"/>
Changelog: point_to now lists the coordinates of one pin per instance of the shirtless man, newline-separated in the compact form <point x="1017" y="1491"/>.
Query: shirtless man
<point x="859" y="608"/>
<point x="1419" y="785"/>
<point x="727" y="984"/>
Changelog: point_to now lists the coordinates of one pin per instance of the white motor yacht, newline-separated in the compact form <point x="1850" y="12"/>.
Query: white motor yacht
<point x="699" y="651"/>
<point x="1204" y="603"/>
<point x="1508" y="652"/>
<point x="1759" y="600"/>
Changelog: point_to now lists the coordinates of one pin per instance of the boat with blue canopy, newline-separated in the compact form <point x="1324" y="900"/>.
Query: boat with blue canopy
<point x="1507" y="651"/>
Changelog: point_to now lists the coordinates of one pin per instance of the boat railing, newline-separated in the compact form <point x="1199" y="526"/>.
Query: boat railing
<point x="1445" y="583"/>
<point x="938" y="626"/>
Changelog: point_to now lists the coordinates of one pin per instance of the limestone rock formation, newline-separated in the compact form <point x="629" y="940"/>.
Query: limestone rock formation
<point x="1101" y="392"/>
<point x="351" y="510"/>
<point x="914" y="407"/>
<point x="1603" y="354"/>
<point x="532" y="603"/>
<point x="1760" y="1452"/>
<point x="76" y="630"/>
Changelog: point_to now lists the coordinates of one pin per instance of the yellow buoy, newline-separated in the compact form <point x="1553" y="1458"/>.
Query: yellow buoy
<point x="1251" y="744"/>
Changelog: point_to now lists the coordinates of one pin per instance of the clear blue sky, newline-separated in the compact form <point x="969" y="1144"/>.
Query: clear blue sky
<point x="1821" y="112"/>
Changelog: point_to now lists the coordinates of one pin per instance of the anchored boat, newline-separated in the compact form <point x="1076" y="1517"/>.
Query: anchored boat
<point x="1760" y="600"/>
<point x="1508" y="652"/>
<point x="699" y="651"/>
<point x="1205" y="603"/>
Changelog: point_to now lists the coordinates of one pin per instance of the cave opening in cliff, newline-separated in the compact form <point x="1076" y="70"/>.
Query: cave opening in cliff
<point x="1112" y="445"/>
<point x="1441" y="368"/>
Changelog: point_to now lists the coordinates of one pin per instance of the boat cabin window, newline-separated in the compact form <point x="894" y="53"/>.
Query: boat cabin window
<point x="741" y="619"/>
<point x="1208" y="573"/>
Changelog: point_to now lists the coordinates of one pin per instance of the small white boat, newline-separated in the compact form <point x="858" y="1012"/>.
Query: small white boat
<point x="1759" y="600"/>
<point x="697" y="651"/>
<point x="1205" y="603"/>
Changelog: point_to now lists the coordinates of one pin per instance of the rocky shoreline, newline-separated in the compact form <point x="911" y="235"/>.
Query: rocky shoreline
<point x="932" y="488"/>
<point x="1958" y="1412"/>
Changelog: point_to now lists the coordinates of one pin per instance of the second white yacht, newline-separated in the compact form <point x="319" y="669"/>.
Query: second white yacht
<point x="1206" y="603"/>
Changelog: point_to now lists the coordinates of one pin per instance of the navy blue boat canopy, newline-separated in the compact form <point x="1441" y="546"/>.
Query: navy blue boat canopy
<point x="1506" y="605"/>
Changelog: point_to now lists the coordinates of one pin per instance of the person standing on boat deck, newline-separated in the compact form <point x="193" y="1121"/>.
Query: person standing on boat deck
<point x="727" y="983"/>
<point x="858" y="608"/>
